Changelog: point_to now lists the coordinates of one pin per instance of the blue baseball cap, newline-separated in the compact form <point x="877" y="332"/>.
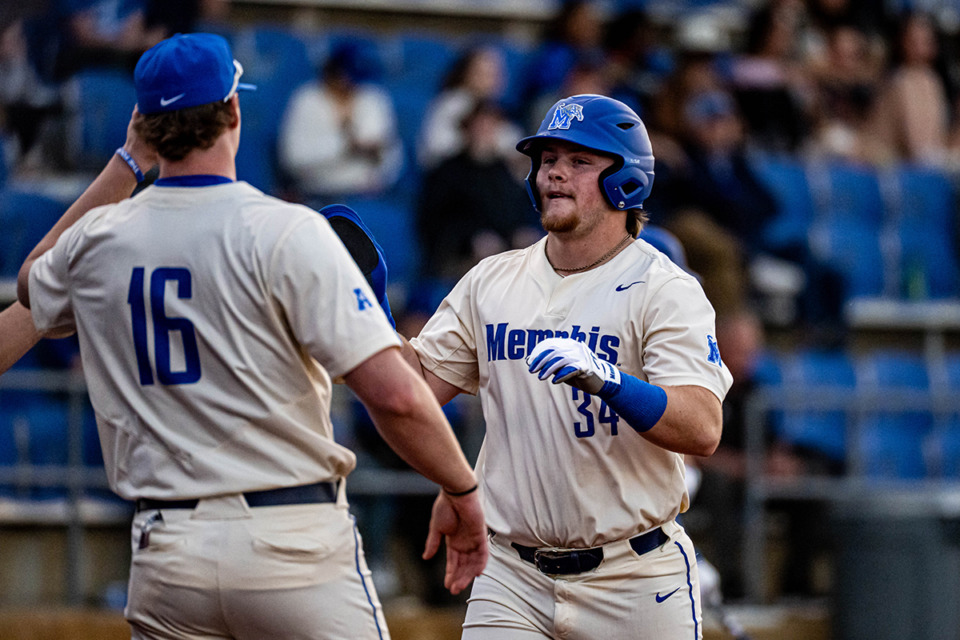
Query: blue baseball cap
<point x="186" y="70"/>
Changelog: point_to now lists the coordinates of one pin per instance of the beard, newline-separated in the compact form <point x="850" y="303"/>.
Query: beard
<point x="558" y="222"/>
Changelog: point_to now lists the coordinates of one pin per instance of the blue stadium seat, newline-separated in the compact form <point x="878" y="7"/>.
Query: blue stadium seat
<point x="8" y="440"/>
<point x="100" y="103"/>
<point x="393" y="225"/>
<point x="952" y="367"/>
<point x="943" y="451"/>
<point x="516" y="57"/>
<point x="275" y="57"/>
<point x="787" y="180"/>
<point x="768" y="371"/>
<point x="925" y="197"/>
<point x="928" y="263"/>
<point x="823" y="431"/>
<point x="36" y="431"/>
<point x="891" y="441"/>
<point x="768" y="374"/>
<point x="25" y="218"/>
<point x="892" y="448"/>
<point x="853" y="248"/>
<point x="424" y="60"/>
<point x="410" y="103"/>
<point x="48" y="427"/>
<point x="277" y="61"/>
<point x="855" y="194"/>
<point x="3" y="160"/>
<point x="923" y="208"/>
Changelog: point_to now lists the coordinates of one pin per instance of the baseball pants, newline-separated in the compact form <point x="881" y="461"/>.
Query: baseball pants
<point x="654" y="596"/>
<point x="226" y="570"/>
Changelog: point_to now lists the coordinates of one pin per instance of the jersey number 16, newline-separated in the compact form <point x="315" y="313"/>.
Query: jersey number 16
<point x="163" y="326"/>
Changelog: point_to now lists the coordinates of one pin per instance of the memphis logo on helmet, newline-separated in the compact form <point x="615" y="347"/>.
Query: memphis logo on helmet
<point x="564" y="115"/>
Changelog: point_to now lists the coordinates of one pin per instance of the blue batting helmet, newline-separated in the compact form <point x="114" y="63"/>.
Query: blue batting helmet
<point x="601" y="124"/>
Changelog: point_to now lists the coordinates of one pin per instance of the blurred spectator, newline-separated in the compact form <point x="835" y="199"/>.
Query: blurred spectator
<point x="823" y="17"/>
<point x="911" y="117"/>
<point x="183" y="16"/>
<point x="472" y="205"/>
<point x="719" y="209"/>
<point x="769" y="81"/>
<point x="477" y="75"/>
<point x="846" y="82"/>
<point x="574" y="33"/>
<point x="26" y="102"/>
<point x="589" y="74"/>
<point x="103" y="33"/>
<point x="339" y="135"/>
<point x="712" y="201"/>
<point x="636" y="64"/>
<point x="697" y="69"/>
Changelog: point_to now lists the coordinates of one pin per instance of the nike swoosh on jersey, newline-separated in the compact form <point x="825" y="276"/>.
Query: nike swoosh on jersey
<point x="168" y="101"/>
<point x="624" y="287"/>
<point x="662" y="598"/>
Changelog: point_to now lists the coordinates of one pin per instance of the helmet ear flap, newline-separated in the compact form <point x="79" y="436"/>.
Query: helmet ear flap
<point x="531" y="182"/>
<point x="626" y="187"/>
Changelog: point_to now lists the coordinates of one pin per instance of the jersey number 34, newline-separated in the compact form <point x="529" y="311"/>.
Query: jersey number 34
<point x="163" y="326"/>
<point x="586" y="428"/>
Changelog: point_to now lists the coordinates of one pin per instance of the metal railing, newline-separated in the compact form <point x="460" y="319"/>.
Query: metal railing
<point x="941" y="495"/>
<point x="77" y="510"/>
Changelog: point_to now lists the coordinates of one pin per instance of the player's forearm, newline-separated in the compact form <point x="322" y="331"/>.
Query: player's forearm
<point x="17" y="334"/>
<point x="410" y="420"/>
<point x="114" y="183"/>
<point x="442" y="390"/>
<point x="425" y="441"/>
<point x="691" y="424"/>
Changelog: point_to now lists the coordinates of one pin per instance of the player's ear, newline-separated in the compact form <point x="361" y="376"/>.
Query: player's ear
<point x="235" y="111"/>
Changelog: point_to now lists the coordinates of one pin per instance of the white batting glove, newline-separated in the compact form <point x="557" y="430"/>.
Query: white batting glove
<point x="572" y="361"/>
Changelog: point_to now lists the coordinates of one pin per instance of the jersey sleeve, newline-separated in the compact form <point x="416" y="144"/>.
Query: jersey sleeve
<point x="447" y="344"/>
<point x="50" y="303"/>
<point x="680" y="346"/>
<point x="330" y="307"/>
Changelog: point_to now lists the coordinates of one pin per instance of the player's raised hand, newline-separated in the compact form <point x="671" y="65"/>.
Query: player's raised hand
<point x="143" y="154"/>
<point x="459" y="521"/>
<point x="573" y="362"/>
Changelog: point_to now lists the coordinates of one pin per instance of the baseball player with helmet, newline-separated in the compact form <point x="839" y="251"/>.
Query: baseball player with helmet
<point x="595" y="360"/>
<point x="211" y="320"/>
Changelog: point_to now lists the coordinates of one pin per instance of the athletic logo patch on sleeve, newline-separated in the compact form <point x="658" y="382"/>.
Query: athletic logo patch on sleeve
<point x="362" y="301"/>
<point x="713" y="355"/>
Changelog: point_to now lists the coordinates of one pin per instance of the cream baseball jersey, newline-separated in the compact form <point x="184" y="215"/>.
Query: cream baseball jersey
<point x="558" y="467"/>
<point x="211" y="320"/>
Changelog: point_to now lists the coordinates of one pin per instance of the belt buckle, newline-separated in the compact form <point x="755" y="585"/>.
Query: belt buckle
<point x="548" y="561"/>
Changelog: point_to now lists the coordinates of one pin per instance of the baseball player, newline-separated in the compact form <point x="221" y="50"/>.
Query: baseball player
<point x="211" y="320"/>
<point x="597" y="368"/>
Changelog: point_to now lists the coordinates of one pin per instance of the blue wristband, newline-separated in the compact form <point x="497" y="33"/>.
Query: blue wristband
<point x="130" y="163"/>
<point x="640" y="403"/>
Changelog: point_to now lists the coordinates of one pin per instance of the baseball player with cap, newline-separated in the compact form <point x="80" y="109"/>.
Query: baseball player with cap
<point x="595" y="360"/>
<point x="211" y="320"/>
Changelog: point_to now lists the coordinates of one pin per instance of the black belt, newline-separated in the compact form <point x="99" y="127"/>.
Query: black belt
<point x="580" y="560"/>
<point x="316" y="493"/>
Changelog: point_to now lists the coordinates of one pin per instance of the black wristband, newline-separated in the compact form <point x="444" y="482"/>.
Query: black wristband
<point x="460" y="494"/>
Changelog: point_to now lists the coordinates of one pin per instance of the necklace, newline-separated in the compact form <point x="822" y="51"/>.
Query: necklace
<point x="602" y="258"/>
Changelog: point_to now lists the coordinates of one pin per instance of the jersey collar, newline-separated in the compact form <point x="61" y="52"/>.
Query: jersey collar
<point x="200" y="180"/>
